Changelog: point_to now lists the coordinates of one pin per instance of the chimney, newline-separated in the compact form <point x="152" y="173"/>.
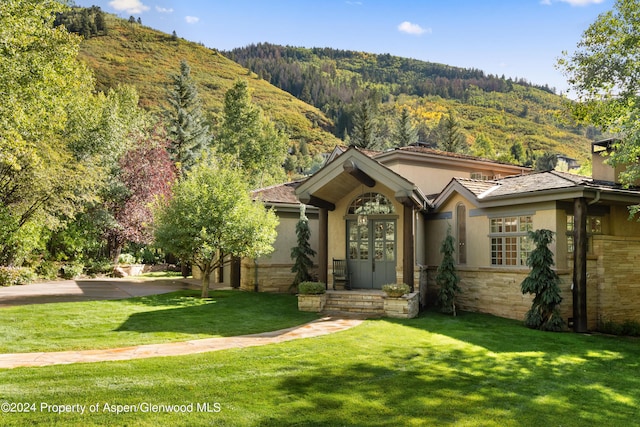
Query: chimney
<point x="600" y="170"/>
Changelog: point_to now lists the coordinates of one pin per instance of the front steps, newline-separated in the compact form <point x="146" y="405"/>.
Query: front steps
<point x="366" y="302"/>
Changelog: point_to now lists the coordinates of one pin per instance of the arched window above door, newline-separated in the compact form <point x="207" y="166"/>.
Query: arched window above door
<point x="371" y="204"/>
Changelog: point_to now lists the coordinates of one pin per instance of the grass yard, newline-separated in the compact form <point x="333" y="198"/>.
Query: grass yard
<point x="473" y="370"/>
<point x="176" y="316"/>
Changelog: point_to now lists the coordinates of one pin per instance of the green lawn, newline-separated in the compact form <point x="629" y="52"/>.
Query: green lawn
<point x="176" y="316"/>
<point x="473" y="370"/>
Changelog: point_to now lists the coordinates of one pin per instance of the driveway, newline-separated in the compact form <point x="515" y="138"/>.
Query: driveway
<point x="87" y="290"/>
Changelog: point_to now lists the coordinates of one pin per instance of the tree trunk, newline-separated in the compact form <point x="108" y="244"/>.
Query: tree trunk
<point x="206" y="275"/>
<point x="115" y="249"/>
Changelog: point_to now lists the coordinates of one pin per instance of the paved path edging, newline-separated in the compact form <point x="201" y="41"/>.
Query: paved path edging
<point x="316" y="328"/>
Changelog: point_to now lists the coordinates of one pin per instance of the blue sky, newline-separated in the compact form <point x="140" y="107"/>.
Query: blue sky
<point x="515" y="38"/>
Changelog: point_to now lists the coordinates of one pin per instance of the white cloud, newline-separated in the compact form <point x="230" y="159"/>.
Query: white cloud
<point x="572" y="2"/>
<point x="164" y="9"/>
<point x="415" y="29"/>
<point x="129" y="6"/>
<point x="191" y="19"/>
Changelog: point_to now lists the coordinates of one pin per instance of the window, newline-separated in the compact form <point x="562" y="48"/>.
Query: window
<point x="594" y="226"/>
<point x="461" y="216"/>
<point x="510" y="244"/>
<point x="480" y="176"/>
<point x="371" y="204"/>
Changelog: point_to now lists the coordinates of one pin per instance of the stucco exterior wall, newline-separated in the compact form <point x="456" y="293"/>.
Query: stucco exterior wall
<point x="478" y="243"/>
<point x="613" y="266"/>
<point x="433" y="179"/>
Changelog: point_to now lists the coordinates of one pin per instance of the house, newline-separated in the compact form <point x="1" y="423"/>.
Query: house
<point x="386" y="214"/>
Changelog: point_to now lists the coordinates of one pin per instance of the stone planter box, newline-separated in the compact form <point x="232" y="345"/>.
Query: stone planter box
<point x="404" y="307"/>
<point x="126" y="270"/>
<point x="313" y="303"/>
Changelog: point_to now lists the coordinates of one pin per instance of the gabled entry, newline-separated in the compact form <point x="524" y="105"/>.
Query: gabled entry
<point x="372" y="233"/>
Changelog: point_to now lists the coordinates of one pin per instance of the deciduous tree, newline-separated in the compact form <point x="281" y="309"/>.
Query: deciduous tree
<point x="145" y="173"/>
<point x="605" y="77"/>
<point x="211" y="213"/>
<point x="251" y="138"/>
<point x="41" y="83"/>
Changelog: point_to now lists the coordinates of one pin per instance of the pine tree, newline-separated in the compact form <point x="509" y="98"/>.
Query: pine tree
<point x="517" y="151"/>
<point x="405" y="132"/>
<point x="188" y="133"/>
<point x="302" y="253"/>
<point x="447" y="278"/>
<point x="448" y="136"/>
<point x="365" y="126"/>
<point x="543" y="283"/>
<point x="546" y="162"/>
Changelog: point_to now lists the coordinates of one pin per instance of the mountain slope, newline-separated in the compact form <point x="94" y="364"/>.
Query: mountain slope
<point x="145" y="58"/>
<point x="503" y="110"/>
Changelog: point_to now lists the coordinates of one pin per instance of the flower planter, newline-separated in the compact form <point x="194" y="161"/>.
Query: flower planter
<point x="404" y="307"/>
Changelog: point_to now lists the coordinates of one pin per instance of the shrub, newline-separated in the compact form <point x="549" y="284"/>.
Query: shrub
<point x="149" y="256"/>
<point x="48" y="270"/>
<point x="396" y="290"/>
<point x="72" y="271"/>
<point x="126" y="259"/>
<point x="312" y="288"/>
<point x="11" y="276"/>
<point x="627" y="328"/>
<point x="99" y="268"/>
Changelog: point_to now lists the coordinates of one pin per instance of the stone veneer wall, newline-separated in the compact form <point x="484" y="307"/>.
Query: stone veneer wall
<point x="496" y="291"/>
<point x="615" y="292"/>
<point x="271" y="277"/>
<point x="613" y="285"/>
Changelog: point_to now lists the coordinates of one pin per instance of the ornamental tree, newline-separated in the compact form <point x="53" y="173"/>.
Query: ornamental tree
<point x="145" y="173"/>
<point x="211" y="213"/>
<point x="302" y="253"/>
<point x="447" y="278"/>
<point x="543" y="283"/>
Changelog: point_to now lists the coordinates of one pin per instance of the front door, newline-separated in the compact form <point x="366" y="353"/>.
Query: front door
<point x="372" y="253"/>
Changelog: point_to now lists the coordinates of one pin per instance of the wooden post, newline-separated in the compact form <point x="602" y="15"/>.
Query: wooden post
<point x="408" y="246"/>
<point x="323" y="245"/>
<point x="580" y="240"/>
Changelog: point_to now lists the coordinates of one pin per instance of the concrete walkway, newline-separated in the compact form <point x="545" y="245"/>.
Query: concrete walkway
<point x="316" y="328"/>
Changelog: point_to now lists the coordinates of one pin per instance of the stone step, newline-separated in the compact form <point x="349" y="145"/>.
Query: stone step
<point x="354" y="302"/>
